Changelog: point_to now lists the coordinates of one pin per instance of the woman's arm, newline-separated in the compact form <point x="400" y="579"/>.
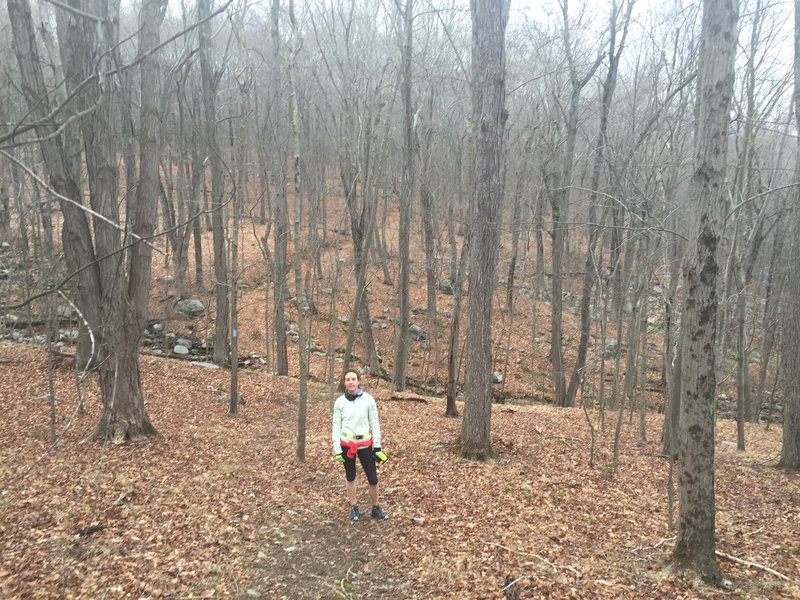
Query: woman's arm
<point x="336" y="431"/>
<point x="374" y="424"/>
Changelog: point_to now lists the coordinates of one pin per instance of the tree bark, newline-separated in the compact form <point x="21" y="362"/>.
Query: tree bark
<point x="790" y="449"/>
<point x="489" y="18"/>
<point x="695" y="546"/>
<point x="210" y="83"/>
<point x="402" y="337"/>
<point x="75" y="233"/>
<point x="300" y="294"/>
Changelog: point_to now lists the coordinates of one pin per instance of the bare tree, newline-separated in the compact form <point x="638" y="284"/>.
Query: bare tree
<point x="559" y="203"/>
<point x="695" y="545"/>
<point x="402" y="337"/>
<point x="113" y="272"/>
<point x="281" y="232"/>
<point x="210" y="83"/>
<point x="591" y="269"/>
<point x="300" y="293"/>
<point x="790" y="450"/>
<point x="489" y="19"/>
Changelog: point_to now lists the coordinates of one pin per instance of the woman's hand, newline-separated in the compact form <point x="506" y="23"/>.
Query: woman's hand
<point x="380" y="457"/>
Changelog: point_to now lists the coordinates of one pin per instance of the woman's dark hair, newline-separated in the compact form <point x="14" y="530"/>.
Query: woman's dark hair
<point x="356" y="373"/>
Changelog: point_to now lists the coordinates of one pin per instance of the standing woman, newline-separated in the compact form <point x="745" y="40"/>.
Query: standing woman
<point x="356" y="432"/>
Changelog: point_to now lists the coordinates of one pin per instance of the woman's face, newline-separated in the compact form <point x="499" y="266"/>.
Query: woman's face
<point x="351" y="381"/>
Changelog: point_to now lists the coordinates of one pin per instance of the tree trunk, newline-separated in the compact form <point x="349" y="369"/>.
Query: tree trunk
<point x="75" y="232"/>
<point x="427" y="209"/>
<point x="210" y="81"/>
<point x="489" y="18"/>
<point x="302" y="341"/>
<point x="516" y="218"/>
<point x="402" y="337"/>
<point x="769" y="322"/>
<point x="695" y="545"/>
<point x="5" y="200"/>
<point x="281" y="233"/>
<point x="560" y="201"/>
<point x="790" y="450"/>
<point x="124" y="415"/>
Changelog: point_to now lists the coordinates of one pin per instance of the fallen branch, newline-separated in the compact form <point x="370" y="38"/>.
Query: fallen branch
<point x="748" y="563"/>
<point x="729" y="557"/>
<point x="654" y="546"/>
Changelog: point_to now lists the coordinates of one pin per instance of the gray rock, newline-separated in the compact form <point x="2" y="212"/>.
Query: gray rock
<point x="184" y="342"/>
<point x="64" y="311"/>
<point x="190" y="307"/>
<point x="446" y="287"/>
<point x="169" y="279"/>
<point x="204" y="365"/>
<point x="417" y="333"/>
<point x="497" y="377"/>
<point x="68" y="335"/>
<point x="182" y="350"/>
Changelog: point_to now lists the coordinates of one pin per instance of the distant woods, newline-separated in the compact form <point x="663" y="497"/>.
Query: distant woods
<point x="348" y="142"/>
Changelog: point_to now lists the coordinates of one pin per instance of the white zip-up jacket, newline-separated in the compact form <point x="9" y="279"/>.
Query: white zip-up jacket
<point x="354" y="418"/>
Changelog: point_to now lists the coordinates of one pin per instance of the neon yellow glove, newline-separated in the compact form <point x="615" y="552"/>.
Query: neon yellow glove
<point x="379" y="455"/>
<point x="339" y="457"/>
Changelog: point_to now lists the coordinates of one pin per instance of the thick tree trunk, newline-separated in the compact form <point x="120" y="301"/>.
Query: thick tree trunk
<point x="124" y="415"/>
<point x="489" y="18"/>
<point x="695" y="544"/>
<point x="65" y="181"/>
<point x="790" y="450"/>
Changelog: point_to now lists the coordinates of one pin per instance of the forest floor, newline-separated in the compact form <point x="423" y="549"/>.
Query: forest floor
<point x="217" y="506"/>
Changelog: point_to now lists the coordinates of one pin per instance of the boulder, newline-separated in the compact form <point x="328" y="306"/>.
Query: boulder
<point x="190" y="307"/>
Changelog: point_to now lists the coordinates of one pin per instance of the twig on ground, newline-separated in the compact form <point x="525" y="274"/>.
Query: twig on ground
<point x="748" y="563"/>
<point x="517" y="580"/>
<point x="654" y="546"/>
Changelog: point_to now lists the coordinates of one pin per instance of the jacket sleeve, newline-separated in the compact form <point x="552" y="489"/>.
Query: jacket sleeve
<point x="374" y="424"/>
<point x="336" y="432"/>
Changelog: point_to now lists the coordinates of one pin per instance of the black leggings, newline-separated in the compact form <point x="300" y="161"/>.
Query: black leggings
<point x="367" y="459"/>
